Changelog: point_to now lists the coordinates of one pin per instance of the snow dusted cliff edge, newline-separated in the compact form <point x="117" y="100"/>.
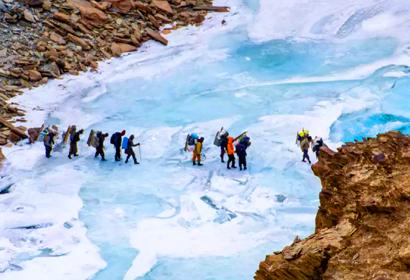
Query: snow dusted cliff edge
<point x="362" y="223"/>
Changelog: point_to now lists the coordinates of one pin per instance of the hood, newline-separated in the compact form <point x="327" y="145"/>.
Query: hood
<point x="230" y="140"/>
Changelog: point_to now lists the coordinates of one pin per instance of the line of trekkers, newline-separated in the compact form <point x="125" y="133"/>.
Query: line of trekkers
<point x="227" y="144"/>
<point x="96" y="139"/>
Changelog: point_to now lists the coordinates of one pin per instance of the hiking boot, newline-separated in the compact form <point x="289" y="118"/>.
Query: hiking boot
<point x="103" y="159"/>
<point x="136" y="162"/>
<point x="193" y="163"/>
<point x="240" y="168"/>
<point x="200" y="164"/>
<point x="76" y="155"/>
<point x="245" y="168"/>
<point x="234" y="166"/>
<point x="69" y="157"/>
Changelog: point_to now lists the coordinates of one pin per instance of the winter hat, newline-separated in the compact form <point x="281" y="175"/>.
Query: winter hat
<point x="123" y="133"/>
<point x="106" y="135"/>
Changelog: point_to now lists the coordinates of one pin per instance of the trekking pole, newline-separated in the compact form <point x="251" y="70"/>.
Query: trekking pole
<point x="139" y="147"/>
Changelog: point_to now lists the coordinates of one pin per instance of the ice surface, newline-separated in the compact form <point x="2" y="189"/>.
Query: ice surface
<point x="165" y="219"/>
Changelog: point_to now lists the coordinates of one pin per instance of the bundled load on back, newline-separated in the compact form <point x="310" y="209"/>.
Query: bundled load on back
<point x="300" y="135"/>
<point x="220" y="137"/>
<point x="191" y="141"/>
<point x="93" y="139"/>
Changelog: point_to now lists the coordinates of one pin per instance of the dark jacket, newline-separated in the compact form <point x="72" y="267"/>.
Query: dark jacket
<point x="224" y="142"/>
<point x="118" y="139"/>
<point x="241" y="150"/>
<point x="101" y="139"/>
<point x="130" y="144"/>
<point x="49" y="141"/>
<point x="76" y="137"/>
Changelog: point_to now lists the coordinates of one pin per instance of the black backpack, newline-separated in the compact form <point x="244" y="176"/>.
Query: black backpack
<point x="113" y="138"/>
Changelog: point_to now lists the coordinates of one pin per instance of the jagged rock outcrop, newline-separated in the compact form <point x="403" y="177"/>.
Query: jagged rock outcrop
<point x="363" y="221"/>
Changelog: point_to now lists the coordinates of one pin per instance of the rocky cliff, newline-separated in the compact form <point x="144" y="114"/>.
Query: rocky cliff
<point x="363" y="221"/>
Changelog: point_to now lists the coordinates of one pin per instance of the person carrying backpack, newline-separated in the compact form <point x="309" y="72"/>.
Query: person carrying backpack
<point x="317" y="143"/>
<point x="304" y="146"/>
<point x="241" y="152"/>
<point x="224" y="146"/>
<point x="129" y="151"/>
<point x="73" y="144"/>
<point x="100" y="148"/>
<point x="197" y="152"/>
<point x="231" y="153"/>
<point x="116" y="140"/>
<point x="49" y="142"/>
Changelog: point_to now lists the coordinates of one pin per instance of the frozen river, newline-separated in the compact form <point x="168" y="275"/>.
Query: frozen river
<point x="338" y="70"/>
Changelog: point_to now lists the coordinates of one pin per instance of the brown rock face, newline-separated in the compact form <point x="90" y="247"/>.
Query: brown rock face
<point x="34" y="75"/>
<point x="93" y="15"/>
<point x="126" y="48"/>
<point x="33" y="133"/>
<point x="79" y="41"/>
<point x="55" y="37"/>
<point x="163" y="6"/>
<point x="115" y="49"/>
<point x="157" y="37"/>
<point x="363" y="221"/>
<point x="124" y="6"/>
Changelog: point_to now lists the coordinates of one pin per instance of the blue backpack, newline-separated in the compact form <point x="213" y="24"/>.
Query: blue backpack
<point x="125" y="143"/>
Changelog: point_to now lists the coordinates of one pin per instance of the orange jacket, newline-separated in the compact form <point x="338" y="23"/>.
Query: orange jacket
<point x="230" y="147"/>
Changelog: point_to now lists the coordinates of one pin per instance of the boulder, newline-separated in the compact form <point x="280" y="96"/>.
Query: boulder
<point x="55" y="37"/>
<point x="47" y="5"/>
<point x="62" y="17"/>
<point x="156" y="36"/>
<point x="34" y="75"/>
<point x="55" y="70"/>
<point x="93" y="15"/>
<point x="124" y="6"/>
<point x="28" y="16"/>
<point x="115" y="49"/>
<point x="163" y="6"/>
<point x="142" y="7"/>
<point x="33" y="133"/>
<point x="79" y="41"/>
<point x="102" y="6"/>
<point x="14" y="137"/>
<point x="32" y="2"/>
<point x="126" y="48"/>
<point x="13" y="129"/>
<point x="44" y="81"/>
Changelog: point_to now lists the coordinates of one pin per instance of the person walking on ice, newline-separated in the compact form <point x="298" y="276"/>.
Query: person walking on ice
<point x="197" y="152"/>
<point x="241" y="152"/>
<point x="304" y="146"/>
<point x="129" y="151"/>
<point x="74" y="139"/>
<point x="100" y="148"/>
<point x="49" y="142"/>
<point x="231" y="153"/>
<point x="116" y="140"/>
